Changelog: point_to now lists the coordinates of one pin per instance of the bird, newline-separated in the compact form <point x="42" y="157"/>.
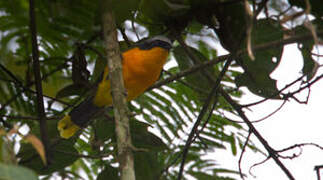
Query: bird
<point x="141" y="68"/>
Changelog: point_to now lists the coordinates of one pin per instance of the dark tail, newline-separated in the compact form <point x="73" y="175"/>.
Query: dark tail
<point x="82" y="114"/>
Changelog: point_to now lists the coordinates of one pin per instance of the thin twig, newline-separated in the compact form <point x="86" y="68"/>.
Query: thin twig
<point x="99" y="156"/>
<point x="294" y="155"/>
<point x="317" y="55"/>
<point x="134" y="30"/>
<point x="202" y="112"/>
<point x="6" y="124"/>
<point x="276" y="94"/>
<point x="272" y="113"/>
<point x="241" y="155"/>
<point x="259" y="47"/>
<point x="24" y="88"/>
<point x="124" y="36"/>
<point x="272" y="153"/>
<point x="208" y="117"/>
<point x="304" y="87"/>
<point x="30" y="117"/>
<point x="195" y="88"/>
<point x="10" y="74"/>
<point x="18" y="94"/>
<point x="191" y="70"/>
<point x="94" y="37"/>
<point x="45" y="76"/>
<point x="94" y="50"/>
<point x="261" y="6"/>
<point x="257" y="164"/>
<point x="300" y="145"/>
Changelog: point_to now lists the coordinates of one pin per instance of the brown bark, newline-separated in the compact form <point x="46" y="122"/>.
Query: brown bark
<point x="125" y="155"/>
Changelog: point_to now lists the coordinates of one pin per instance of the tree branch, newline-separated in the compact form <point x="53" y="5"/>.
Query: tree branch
<point x="260" y="7"/>
<point x="45" y="76"/>
<point x="241" y="155"/>
<point x="191" y="70"/>
<point x="97" y="156"/>
<point x="317" y="169"/>
<point x="272" y="153"/>
<point x="273" y="44"/>
<point x="308" y="85"/>
<point x="125" y="155"/>
<point x="19" y="84"/>
<point x="30" y="117"/>
<point x="13" y="98"/>
<point x="258" y="47"/>
<point x="212" y="93"/>
<point x="195" y="88"/>
<point x="38" y="79"/>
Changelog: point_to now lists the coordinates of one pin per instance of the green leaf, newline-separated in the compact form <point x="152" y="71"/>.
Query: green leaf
<point x="262" y="85"/>
<point x="142" y="138"/>
<point x="171" y="110"/>
<point x="220" y="170"/>
<point x="211" y="143"/>
<point x="201" y="175"/>
<point x="51" y="130"/>
<point x="197" y="80"/>
<point x="12" y="172"/>
<point x="310" y="66"/>
<point x="207" y="51"/>
<point x="100" y="64"/>
<point x="233" y="144"/>
<point x="232" y="24"/>
<point x="83" y="145"/>
<point x="160" y="11"/>
<point x="61" y="156"/>
<point x="148" y="141"/>
<point x="70" y="90"/>
<point x="54" y="83"/>
<point x="109" y="172"/>
<point x="104" y="128"/>
<point x="194" y="27"/>
<point x="15" y="66"/>
<point x="257" y="72"/>
<point x="86" y="168"/>
<point x="154" y="112"/>
<point x="263" y="32"/>
<point x="125" y="10"/>
<point x="146" y="165"/>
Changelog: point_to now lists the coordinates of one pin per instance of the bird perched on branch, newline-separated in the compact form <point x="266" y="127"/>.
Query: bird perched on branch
<point x="141" y="68"/>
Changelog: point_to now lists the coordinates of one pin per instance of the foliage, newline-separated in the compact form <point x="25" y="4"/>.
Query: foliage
<point x="72" y="59"/>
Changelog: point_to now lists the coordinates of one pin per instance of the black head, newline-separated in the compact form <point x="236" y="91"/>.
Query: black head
<point x="157" y="41"/>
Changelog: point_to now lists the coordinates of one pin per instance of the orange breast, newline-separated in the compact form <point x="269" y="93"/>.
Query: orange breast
<point x="141" y="69"/>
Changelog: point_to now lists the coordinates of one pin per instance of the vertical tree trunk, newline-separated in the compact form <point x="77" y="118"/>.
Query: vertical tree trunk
<point x="118" y="92"/>
<point x="38" y="81"/>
